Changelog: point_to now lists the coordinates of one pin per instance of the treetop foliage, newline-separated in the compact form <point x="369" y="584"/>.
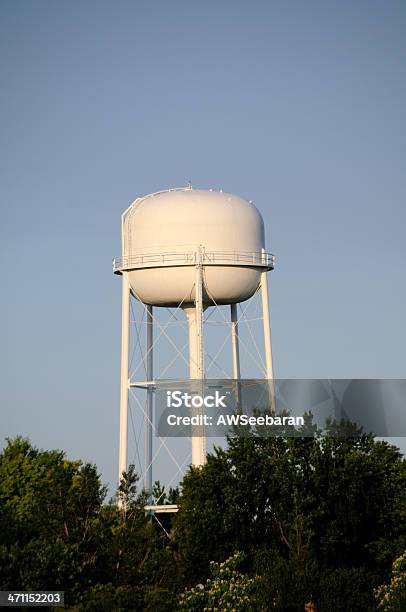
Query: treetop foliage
<point x="315" y="520"/>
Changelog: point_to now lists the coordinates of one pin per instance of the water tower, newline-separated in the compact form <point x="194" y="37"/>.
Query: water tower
<point x="192" y="249"/>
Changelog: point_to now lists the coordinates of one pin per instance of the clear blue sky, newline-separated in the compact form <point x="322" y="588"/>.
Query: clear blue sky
<point x="299" y="106"/>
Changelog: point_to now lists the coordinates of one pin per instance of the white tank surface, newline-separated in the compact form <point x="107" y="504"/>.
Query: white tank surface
<point x="165" y="235"/>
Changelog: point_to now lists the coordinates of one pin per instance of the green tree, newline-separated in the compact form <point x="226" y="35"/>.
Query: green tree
<point x="162" y="497"/>
<point x="298" y="507"/>
<point x="317" y="519"/>
<point x="391" y="597"/>
<point x="227" y="589"/>
<point x="56" y="533"/>
<point x="48" y="506"/>
<point x="135" y="564"/>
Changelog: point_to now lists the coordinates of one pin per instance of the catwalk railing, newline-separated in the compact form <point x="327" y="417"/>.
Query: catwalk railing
<point x="191" y="258"/>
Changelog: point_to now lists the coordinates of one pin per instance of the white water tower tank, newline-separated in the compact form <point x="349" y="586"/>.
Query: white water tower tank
<point x="163" y="233"/>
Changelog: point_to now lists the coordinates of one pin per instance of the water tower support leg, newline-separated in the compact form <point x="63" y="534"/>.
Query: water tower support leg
<point x="267" y="339"/>
<point x="150" y="399"/>
<point x="236" y="353"/>
<point x="199" y="323"/>
<point x="196" y="363"/>
<point x="235" y="342"/>
<point x="125" y="334"/>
